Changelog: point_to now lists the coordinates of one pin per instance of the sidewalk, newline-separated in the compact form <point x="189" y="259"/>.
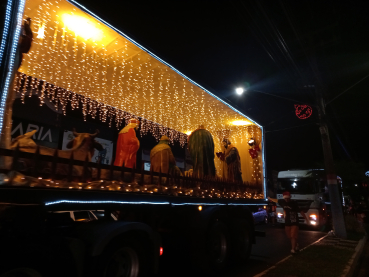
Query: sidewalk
<point x="362" y="268"/>
<point x="329" y="257"/>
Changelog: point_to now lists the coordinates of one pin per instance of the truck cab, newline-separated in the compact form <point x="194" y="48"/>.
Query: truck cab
<point x="308" y="188"/>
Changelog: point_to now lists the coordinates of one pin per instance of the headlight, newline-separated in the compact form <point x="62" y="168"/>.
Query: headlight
<point x="313" y="217"/>
<point x="279" y="215"/>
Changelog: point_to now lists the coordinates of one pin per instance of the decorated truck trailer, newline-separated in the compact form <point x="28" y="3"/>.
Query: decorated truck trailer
<point x="112" y="162"/>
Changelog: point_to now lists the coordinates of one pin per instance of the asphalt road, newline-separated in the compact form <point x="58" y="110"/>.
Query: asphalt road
<point x="265" y="253"/>
<point x="271" y="249"/>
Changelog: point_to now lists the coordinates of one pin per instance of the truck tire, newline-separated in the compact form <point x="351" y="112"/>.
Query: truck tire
<point x="241" y="241"/>
<point x="213" y="250"/>
<point x="125" y="258"/>
<point x="21" y="272"/>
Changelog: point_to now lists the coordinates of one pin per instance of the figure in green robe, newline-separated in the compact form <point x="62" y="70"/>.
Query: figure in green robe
<point x="201" y="147"/>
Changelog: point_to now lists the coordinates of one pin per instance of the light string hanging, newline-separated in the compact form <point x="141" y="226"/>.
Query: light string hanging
<point x="111" y="78"/>
<point x="114" y="71"/>
<point x="105" y="112"/>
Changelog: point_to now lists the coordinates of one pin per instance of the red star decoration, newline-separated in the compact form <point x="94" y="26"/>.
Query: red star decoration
<point x="303" y="111"/>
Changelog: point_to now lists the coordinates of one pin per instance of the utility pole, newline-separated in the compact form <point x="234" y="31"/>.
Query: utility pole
<point x="336" y="207"/>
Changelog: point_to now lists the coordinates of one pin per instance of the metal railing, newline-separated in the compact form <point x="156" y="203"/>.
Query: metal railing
<point x="91" y="172"/>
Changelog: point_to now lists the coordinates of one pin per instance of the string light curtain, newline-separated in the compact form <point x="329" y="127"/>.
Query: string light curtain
<point x="103" y="73"/>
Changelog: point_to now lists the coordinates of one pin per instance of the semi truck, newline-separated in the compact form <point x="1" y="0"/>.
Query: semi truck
<point x="309" y="189"/>
<point x="66" y="214"/>
<point x="65" y="232"/>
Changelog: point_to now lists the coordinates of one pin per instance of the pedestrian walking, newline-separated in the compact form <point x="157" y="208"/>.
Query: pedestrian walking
<point x="271" y="211"/>
<point x="291" y="210"/>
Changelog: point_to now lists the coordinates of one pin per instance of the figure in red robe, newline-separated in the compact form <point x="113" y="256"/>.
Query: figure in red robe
<point x="127" y="145"/>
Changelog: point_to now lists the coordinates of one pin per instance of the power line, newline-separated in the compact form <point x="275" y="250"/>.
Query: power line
<point x="285" y="98"/>
<point x="264" y="41"/>
<point x="347" y="90"/>
<point x="290" y="128"/>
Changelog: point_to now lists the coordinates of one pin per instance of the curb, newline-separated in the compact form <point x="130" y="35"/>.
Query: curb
<point x="351" y="266"/>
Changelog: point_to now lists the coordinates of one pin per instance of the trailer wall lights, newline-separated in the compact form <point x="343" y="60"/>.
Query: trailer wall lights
<point x="202" y="204"/>
<point x="161" y="250"/>
<point x="83" y="8"/>
<point x="6" y="28"/>
<point x="104" y="202"/>
<point x="200" y="208"/>
<point x="14" y="45"/>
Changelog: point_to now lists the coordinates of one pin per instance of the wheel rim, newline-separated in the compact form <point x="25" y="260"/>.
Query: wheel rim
<point x="124" y="263"/>
<point x="218" y="247"/>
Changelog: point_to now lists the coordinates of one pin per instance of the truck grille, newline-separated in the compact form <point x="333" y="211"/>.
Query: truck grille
<point x="304" y="204"/>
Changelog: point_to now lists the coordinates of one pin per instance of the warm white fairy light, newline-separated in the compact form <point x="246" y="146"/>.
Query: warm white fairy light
<point x="111" y="78"/>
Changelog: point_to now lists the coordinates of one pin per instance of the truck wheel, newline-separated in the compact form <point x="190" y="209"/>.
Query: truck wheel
<point x="21" y="272"/>
<point x="217" y="246"/>
<point x="242" y="241"/>
<point x="126" y="259"/>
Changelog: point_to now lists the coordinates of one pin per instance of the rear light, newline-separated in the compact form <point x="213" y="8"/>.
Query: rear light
<point x="161" y="251"/>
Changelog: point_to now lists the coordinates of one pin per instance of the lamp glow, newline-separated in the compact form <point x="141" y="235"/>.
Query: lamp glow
<point x="41" y="31"/>
<point x="239" y="91"/>
<point x="240" y="123"/>
<point x="82" y="26"/>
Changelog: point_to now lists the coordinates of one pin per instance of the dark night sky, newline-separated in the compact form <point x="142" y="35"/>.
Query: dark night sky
<point x="268" y="45"/>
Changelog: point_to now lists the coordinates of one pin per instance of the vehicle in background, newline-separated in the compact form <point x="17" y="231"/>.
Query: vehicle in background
<point x="309" y="189"/>
<point x="260" y="216"/>
<point x="82" y="216"/>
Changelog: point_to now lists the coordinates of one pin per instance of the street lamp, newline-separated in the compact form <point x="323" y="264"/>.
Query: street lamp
<point x="239" y="90"/>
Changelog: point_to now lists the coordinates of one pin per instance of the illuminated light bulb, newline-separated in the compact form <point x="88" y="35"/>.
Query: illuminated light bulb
<point x="82" y="27"/>
<point x="106" y="83"/>
<point x="240" y="123"/>
<point x="41" y="31"/>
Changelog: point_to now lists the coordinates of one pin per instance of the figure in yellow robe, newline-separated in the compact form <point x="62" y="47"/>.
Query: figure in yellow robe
<point x="127" y="145"/>
<point x="162" y="158"/>
<point x="233" y="161"/>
